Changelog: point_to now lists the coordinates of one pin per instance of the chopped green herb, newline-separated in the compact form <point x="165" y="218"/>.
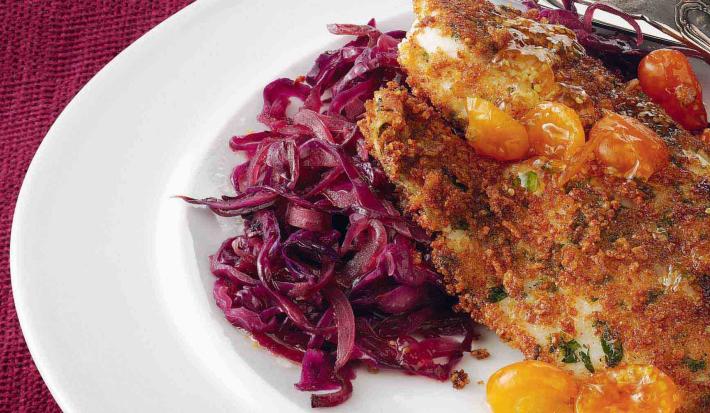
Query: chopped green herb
<point x="677" y="161"/>
<point x="455" y="182"/>
<point x="666" y="221"/>
<point x="663" y="224"/>
<point x="579" y="220"/>
<point x="570" y="351"/>
<point x="529" y="181"/>
<point x="586" y="359"/>
<point x="461" y="224"/>
<point x="693" y="364"/>
<point x="645" y="189"/>
<point x="652" y="296"/>
<point x="496" y="294"/>
<point x="382" y="128"/>
<point x="611" y="344"/>
<point x="581" y="184"/>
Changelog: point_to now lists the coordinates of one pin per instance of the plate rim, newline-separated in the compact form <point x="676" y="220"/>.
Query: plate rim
<point x="30" y="323"/>
<point x="19" y="286"/>
<point x="49" y="140"/>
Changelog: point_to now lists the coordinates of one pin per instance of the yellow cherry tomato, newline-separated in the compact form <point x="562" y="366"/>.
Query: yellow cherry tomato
<point x="623" y="143"/>
<point x="629" y="146"/>
<point x="531" y="387"/>
<point x="554" y="130"/>
<point x="667" y="77"/>
<point x="494" y="133"/>
<point x="629" y="389"/>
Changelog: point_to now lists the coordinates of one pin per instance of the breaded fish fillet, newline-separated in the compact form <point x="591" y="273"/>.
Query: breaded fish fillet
<point x="461" y="48"/>
<point x="602" y="272"/>
<point x="599" y="272"/>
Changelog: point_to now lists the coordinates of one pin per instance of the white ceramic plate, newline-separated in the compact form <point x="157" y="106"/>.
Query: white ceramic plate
<point x="109" y="272"/>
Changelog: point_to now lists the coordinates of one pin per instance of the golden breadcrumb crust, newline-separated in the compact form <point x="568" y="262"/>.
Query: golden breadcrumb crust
<point x="602" y="259"/>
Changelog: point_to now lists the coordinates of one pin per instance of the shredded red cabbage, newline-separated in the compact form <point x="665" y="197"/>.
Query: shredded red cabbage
<point x="601" y="44"/>
<point x="327" y="272"/>
<point x="619" y="51"/>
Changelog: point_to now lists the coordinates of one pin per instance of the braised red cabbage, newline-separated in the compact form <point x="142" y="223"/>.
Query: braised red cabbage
<point x="595" y="42"/>
<point x="327" y="272"/>
<point x="620" y="52"/>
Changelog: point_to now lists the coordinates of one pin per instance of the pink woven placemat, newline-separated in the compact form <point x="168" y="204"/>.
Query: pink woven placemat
<point x="48" y="51"/>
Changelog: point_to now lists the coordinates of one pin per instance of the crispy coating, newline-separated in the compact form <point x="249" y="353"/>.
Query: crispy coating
<point x="462" y="48"/>
<point x="619" y="267"/>
<point x="459" y="379"/>
<point x="600" y="272"/>
<point x="480" y="354"/>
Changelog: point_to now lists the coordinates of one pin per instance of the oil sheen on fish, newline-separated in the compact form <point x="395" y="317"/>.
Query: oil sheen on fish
<point x="598" y="272"/>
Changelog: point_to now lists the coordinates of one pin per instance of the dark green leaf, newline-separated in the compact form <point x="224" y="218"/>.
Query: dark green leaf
<point x="569" y="350"/>
<point x="652" y="296"/>
<point x="529" y="181"/>
<point x="693" y="364"/>
<point x="579" y="220"/>
<point x="496" y="294"/>
<point x="382" y="128"/>
<point x="586" y="359"/>
<point x="646" y="189"/>
<point x="613" y="349"/>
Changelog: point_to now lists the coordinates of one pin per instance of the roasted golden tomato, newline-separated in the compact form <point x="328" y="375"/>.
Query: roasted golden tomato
<point x="629" y="389"/>
<point x="668" y="79"/>
<point x="628" y="146"/>
<point x="554" y="130"/>
<point x="494" y="133"/>
<point x="531" y="387"/>
<point x="623" y="143"/>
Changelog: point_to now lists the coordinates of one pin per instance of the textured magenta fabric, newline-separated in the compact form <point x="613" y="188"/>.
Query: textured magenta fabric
<point x="48" y="50"/>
